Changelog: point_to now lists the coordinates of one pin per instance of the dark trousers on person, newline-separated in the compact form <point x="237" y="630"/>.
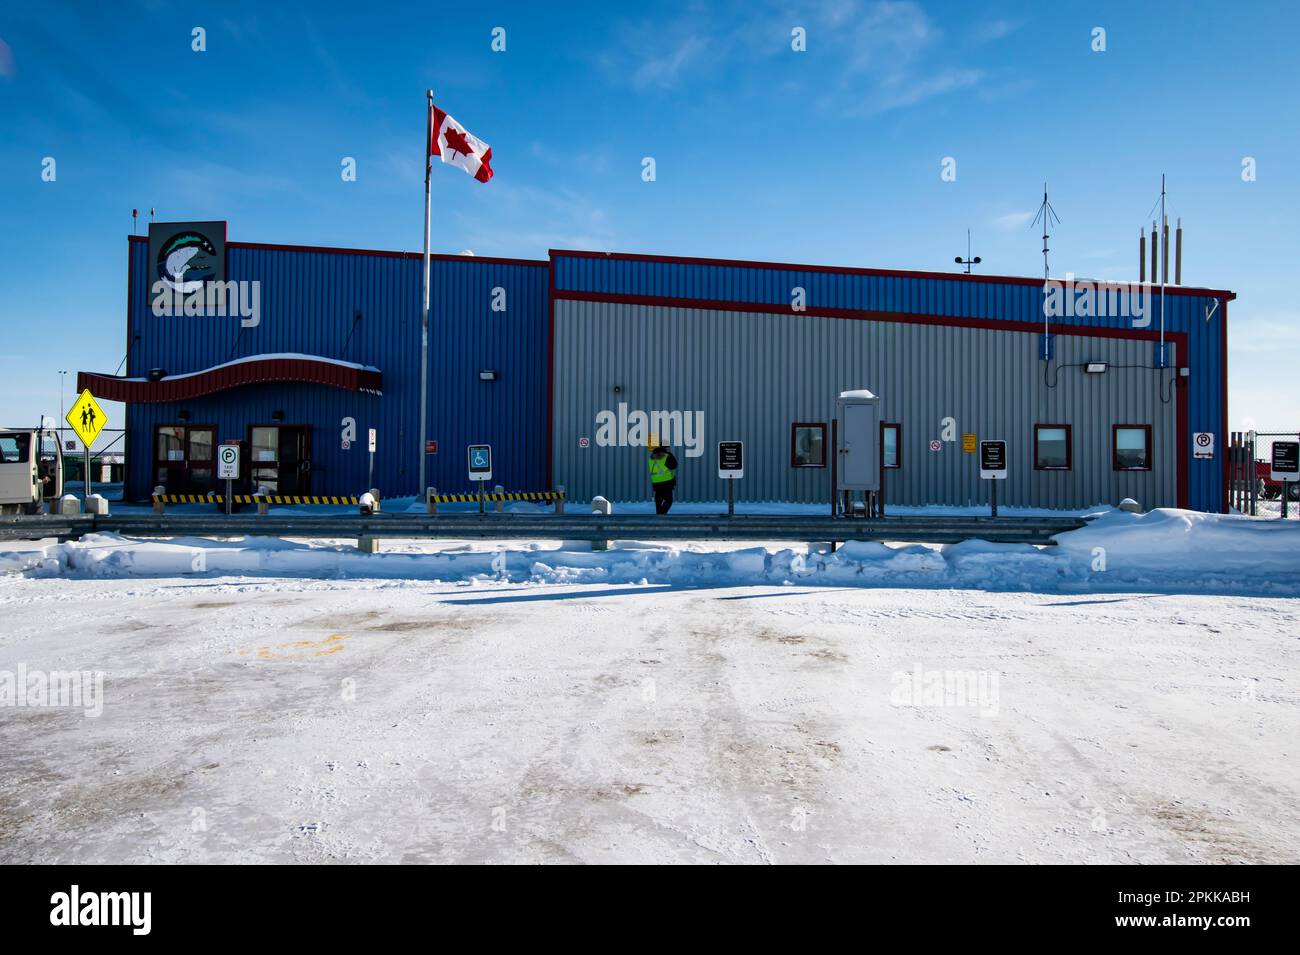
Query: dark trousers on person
<point x="664" y="496"/>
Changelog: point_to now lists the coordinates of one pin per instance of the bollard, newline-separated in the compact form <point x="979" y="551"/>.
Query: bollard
<point x="69" y="505"/>
<point x="263" y="505"/>
<point x="97" y="504"/>
<point x="367" y="504"/>
<point x="368" y="545"/>
<point x="559" y="501"/>
<point x="374" y="493"/>
<point x="431" y="500"/>
<point x="498" y="492"/>
<point x="1130" y="505"/>
<point x="158" y="493"/>
<point x="600" y="506"/>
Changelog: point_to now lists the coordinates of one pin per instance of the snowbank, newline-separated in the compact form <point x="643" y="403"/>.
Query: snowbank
<point x="1161" y="551"/>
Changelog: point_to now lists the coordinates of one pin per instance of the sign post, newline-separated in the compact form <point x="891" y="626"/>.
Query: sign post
<point x="480" y="468"/>
<point x="87" y="419"/>
<point x="1285" y="467"/>
<point x="731" y="467"/>
<point x="993" y="468"/>
<point x="370" y="473"/>
<point x="228" y="469"/>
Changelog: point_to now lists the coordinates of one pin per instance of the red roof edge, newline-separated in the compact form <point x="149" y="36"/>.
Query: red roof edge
<point x="306" y="370"/>
<point x="1223" y="294"/>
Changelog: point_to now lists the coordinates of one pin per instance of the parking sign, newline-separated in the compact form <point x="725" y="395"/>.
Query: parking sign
<point x="228" y="462"/>
<point x="480" y="462"/>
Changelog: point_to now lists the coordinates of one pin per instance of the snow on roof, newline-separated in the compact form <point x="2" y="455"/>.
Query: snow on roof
<point x="266" y="357"/>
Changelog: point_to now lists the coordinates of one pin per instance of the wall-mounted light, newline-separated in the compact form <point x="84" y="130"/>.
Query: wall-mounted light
<point x="157" y="374"/>
<point x="183" y="416"/>
<point x="277" y="416"/>
<point x="1184" y="372"/>
<point x="618" y="389"/>
<point x="1095" y="368"/>
<point x="487" y="374"/>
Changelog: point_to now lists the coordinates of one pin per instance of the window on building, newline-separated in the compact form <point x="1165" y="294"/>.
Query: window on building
<point x="171" y="443"/>
<point x="891" y="444"/>
<point x="807" y="445"/>
<point x="1052" y="447"/>
<point x="266" y="444"/>
<point x="201" y="444"/>
<point x="1131" y="447"/>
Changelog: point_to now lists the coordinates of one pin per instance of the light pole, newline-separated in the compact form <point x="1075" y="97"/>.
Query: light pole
<point x="58" y="427"/>
<point x="968" y="261"/>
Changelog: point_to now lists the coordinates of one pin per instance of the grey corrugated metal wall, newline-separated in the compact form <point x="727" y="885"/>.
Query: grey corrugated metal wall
<point x="754" y="374"/>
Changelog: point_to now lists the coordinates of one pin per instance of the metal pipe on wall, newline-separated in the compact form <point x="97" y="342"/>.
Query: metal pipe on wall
<point x="1142" y="256"/>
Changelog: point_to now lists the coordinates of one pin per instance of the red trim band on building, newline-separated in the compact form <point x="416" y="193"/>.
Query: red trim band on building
<point x="887" y="273"/>
<point x="254" y="370"/>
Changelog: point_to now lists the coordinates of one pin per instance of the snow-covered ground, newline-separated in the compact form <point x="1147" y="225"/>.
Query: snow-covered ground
<point x="298" y="720"/>
<point x="298" y="701"/>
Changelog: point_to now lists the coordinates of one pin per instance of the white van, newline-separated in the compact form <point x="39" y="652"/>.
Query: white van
<point x="31" y="470"/>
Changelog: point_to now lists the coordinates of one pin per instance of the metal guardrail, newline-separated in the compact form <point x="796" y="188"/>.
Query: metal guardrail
<point x="585" y="527"/>
<point x="215" y="498"/>
<point x="505" y="496"/>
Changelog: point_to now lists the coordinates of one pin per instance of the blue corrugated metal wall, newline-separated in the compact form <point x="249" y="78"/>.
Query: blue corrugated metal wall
<point x="966" y="298"/>
<point x="310" y="300"/>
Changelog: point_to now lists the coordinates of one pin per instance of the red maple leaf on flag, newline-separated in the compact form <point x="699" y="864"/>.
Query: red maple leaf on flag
<point x="456" y="141"/>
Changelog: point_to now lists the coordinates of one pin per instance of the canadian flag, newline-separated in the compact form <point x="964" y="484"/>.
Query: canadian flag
<point x="457" y="146"/>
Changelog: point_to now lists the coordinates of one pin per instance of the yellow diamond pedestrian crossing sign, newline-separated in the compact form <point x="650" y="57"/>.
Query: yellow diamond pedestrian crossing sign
<point x="87" y="418"/>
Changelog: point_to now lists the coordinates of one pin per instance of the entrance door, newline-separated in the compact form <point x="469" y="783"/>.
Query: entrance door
<point x="183" y="461"/>
<point x="281" y="458"/>
<point x="860" y="446"/>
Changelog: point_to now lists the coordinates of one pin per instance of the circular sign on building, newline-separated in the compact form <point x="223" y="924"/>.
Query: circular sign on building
<point x="936" y="445"/>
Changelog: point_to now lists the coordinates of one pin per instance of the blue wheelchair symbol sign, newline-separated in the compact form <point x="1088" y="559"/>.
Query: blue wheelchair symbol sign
<point x="480" y="462"/>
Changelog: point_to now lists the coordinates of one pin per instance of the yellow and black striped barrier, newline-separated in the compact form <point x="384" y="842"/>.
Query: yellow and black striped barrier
<point x="254" y="499"/>
<point x="510" y="496"/>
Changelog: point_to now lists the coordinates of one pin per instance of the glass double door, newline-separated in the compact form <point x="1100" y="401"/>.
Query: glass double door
<point x="281" y="458"/>
<point x="183" y="461"/>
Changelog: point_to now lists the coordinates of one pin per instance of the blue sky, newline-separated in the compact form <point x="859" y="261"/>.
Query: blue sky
<point x="832" y="155"/>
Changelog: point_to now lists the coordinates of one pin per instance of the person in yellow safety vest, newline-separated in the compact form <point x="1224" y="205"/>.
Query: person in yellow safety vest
<point x="663" y="477"/>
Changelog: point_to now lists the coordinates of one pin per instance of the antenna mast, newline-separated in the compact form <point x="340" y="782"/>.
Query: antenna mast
<point x="1164" y="274"/>
<point x="1048" y="215"/>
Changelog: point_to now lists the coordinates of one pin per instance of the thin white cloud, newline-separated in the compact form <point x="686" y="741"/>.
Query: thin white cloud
<point x="1013" y="220"/>
<point x="887" y="52"/>
<point x="992" y="30"/>
<point x="663" y="71"/>
<point x="1264" y="334"/>
<point x="910" y="90"/>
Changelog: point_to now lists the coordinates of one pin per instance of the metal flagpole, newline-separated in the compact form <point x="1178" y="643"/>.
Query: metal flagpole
<point x="424" y="311"/>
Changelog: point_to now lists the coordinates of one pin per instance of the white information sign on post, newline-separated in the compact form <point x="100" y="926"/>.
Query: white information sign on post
<point x="228" y="471"/>
<point x="228" y="462"/>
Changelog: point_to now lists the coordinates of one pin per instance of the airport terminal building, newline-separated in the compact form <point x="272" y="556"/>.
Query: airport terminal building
<point x="568" y="365"/>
